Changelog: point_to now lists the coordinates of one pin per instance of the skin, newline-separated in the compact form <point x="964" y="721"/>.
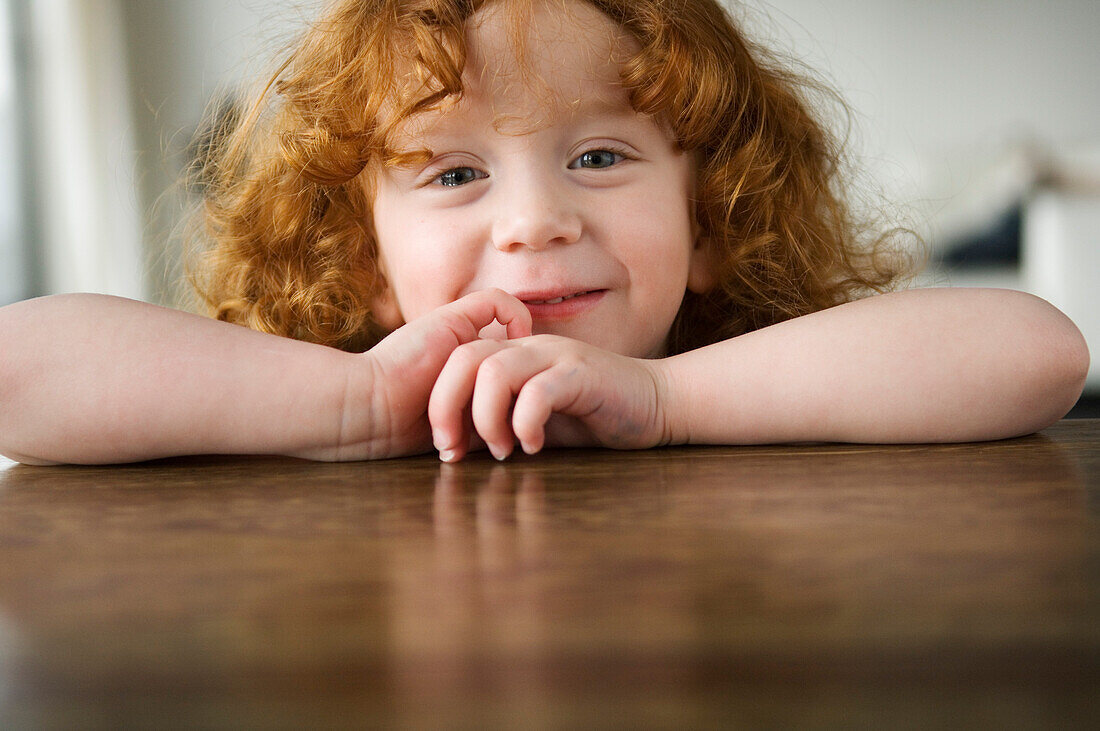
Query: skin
<point x="545" y="193"/>
<point x="516" y="209"/>
<point x="99" y="379"/>
<point x="96" y="379"/>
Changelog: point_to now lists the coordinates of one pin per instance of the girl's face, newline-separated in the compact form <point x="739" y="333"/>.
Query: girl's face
<point x="545" y="183"/>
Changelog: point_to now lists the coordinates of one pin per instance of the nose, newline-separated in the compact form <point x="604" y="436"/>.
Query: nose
<point x="536" y="213"/>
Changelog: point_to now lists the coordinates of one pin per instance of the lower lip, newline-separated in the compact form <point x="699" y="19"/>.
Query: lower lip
<point x="566" y="309"/>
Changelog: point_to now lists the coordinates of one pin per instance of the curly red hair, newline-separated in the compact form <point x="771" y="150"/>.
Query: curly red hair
<point x="285" y="230"/>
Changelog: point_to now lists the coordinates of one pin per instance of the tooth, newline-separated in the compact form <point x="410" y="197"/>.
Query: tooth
<point x="557" y="300"/>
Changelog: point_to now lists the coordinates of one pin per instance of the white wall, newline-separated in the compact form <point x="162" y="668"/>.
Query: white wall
<point x="949" y="92"/>
<point x="944" y="92"/>
<point x="88" y="215"/>
<point x="13" y="255"/>
<point x="963" y="106"/>
<point x="182" y="54"/>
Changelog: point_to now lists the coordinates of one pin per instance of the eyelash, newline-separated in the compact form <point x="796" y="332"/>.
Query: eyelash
<point x="478" y="175"/>
<point x="618" y="152"/>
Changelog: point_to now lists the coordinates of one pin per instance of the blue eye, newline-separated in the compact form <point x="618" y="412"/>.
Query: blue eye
<point x="597" y="160"/>
<point x="459" y="176"/>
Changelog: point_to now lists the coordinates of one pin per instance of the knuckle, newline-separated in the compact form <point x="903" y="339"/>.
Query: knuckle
<point x="463" y="351"/>
<point x="564" y="350"/>
<point x="493" y="367"/>
<point x="468" y="354"/>
<point x="539" y="393"/>
<point x="453" y="318"/>
<point x="547" y="340"/>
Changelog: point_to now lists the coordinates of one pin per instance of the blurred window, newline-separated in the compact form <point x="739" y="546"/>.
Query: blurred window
<point x="15" y="272"/>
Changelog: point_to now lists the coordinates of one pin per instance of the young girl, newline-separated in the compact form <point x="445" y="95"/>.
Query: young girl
<point x="546" y="222"/>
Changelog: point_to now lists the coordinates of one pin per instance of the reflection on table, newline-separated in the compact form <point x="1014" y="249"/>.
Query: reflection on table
<point x="814" y="585"/>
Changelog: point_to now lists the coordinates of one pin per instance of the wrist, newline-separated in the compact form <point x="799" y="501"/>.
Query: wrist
<point x="670" y="407"/>
<point x="364" y="414"/>
<point x="346" y="402"/>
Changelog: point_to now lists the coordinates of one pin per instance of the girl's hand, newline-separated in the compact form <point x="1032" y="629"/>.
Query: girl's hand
<point x="544" y="390"/>
<point x="404" y="366"/>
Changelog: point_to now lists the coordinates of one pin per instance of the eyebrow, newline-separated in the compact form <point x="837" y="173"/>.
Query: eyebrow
<point x="600" y="105"/>
<point x="442" y="129"/>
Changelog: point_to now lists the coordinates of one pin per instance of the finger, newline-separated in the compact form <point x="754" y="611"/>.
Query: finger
<point x="480" y="309"/>
<point x="499" y="378"/>
<point x="445" y="328"/>
<point x="554" y="389"/>
<point x="449" y="401"/>
<point x="465" y="443"/>
<point x="517" y="321"/>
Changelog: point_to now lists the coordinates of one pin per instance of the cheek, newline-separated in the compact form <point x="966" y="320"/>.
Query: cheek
<point x="656" y="237"/>
<point x="422" y="258"/>
<point x="655" y="243"/>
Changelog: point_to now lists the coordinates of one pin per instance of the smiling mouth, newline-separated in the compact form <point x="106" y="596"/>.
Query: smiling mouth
<point x="564" y="307"/>
<point x="558" y="300"/>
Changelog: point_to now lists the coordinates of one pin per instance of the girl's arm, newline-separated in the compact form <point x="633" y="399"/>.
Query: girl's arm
<point x="916" y="366"/>
<point x="932" y="365"/>
<point x="98" y="379"/>
<point x="95" y="379"/>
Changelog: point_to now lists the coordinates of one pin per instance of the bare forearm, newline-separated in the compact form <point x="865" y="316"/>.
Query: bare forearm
<point x="93" y="379"/>
<point x="916" y="366"/>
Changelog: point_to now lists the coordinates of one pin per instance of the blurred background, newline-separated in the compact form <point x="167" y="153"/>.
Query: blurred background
<point x="978" y="123"/>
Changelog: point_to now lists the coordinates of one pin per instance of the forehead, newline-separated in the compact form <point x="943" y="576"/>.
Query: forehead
<point x="533" y="64"/>
<point x="566" y="44"/>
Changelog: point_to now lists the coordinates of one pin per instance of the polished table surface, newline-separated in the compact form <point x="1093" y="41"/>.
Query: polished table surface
<point x="808" y="585"/>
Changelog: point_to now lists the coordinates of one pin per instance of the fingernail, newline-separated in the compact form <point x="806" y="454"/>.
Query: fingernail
<point x="499" y="454"/>
<point x="447" y="455"/>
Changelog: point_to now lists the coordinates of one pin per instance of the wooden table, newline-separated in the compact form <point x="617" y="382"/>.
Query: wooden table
<point x="815" y="585"/>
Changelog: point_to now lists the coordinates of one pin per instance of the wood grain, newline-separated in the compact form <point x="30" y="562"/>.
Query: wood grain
<point x="809" y="585"/>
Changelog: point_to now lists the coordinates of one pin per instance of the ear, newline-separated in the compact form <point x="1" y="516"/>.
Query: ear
<point x="701" y="277"/>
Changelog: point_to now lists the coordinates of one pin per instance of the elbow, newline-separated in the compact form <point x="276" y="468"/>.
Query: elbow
<point x="9" y="414"/>
<point x="1064" y="365"/>
<point x="23" y="459"/>
<point x="8" y="382"/>
<point x="12" y="421"/>
<point x="1075" y="368"/>
<point x="16" y="371"/>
